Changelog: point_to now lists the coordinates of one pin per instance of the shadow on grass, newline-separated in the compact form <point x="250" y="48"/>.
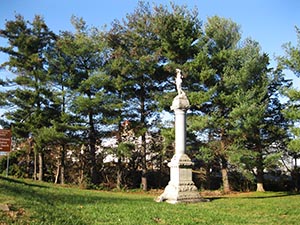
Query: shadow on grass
<point x="61" y="205"/>
<point x="275" y="195"/>
<point x="21" y="182"/>
<point x="54" y="195"/>
<point x="254" y="195"/>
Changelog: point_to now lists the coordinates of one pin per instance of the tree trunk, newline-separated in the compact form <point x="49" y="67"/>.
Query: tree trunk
<point x="260" y="183"/>
<point x="62" y="165"/>
<point x="144" y="183"/>
<point x="93" y="166"/>
<point x="225" y="180"/>
<point x="260" y="187"/>
<point x="260" y="174"/>
<point x="295" y="174"/>
<point x="34" y="165"/>
<point x="57" y="173"/>
<point x="207" y="184"/>
<point x="28" y="158"/>
<point x="119" y="179"/>
<point x="92" y="151"/>
<point x="27" y="165"/>
<point x="81" y="178"/>
<point x="224" y="165"/>
<point x="62" y="175"/>
<point x="295" y="178"/>
<point x="62" y="162"/>
<point x="41" y="172"/>
<point x="119" y="173"/>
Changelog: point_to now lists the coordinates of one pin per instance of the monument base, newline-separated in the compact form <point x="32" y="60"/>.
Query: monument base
<point x="181" y="187"/>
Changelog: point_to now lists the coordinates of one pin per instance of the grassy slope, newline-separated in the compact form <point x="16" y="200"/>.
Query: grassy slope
<point x="41" y="203"/>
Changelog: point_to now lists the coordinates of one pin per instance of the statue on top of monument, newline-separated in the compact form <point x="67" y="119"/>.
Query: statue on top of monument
<point x="178" y="81"/>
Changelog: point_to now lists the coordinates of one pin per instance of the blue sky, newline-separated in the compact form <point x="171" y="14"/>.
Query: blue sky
<point x="270" y="22"/>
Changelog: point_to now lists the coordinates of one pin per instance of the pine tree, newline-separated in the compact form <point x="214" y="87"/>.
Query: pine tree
<point x="257" y="119"/>
<point x="212" y="74"/>
<point x="230" y="97"/>
<point x="31" y="100"/>
<point x="135" y="63"/>
<point x="291" y="62"/>
<point x="92" y="100"/>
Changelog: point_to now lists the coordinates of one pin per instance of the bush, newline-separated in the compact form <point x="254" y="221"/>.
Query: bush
<point x="17" y="164"/>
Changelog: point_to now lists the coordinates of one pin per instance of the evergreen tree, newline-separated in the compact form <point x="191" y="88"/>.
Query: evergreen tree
<point x="147" y="48"/>
<point x="31" y="100"/>
<point x="135" y="62"/>
<point x="92" y="101"/>
<point x="257" y="118"/>
<point x="61" y="73"/>
<point x="231" y="97"/>
<point x="213" y="72"/>
<point x="291" y="62"/>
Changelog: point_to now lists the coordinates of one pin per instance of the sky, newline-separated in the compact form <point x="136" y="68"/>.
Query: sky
<point x="269" y="22"/>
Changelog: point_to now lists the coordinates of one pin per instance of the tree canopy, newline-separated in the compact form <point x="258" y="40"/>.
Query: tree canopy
<point x="93" y="104"/>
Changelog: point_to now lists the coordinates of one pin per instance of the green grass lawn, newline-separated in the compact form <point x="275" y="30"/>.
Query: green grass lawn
<point x="41" y="203"/>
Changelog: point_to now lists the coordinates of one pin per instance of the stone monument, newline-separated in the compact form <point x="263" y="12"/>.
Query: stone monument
<point x="181" y="187"/>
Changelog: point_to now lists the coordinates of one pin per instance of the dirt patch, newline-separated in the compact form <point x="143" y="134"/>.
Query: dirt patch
<point x="11" y="213"/>
<point x="4" y="207"/>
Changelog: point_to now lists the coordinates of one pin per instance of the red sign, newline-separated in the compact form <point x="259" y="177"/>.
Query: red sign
<point x="5" y="140"/>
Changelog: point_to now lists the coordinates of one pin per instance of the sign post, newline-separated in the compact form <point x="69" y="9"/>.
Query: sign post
<point x="5" y="145"/>
<point x="7" y="164"/>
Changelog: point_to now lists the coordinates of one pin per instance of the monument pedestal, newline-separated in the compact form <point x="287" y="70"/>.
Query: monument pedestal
<point x="181" y="187"/>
